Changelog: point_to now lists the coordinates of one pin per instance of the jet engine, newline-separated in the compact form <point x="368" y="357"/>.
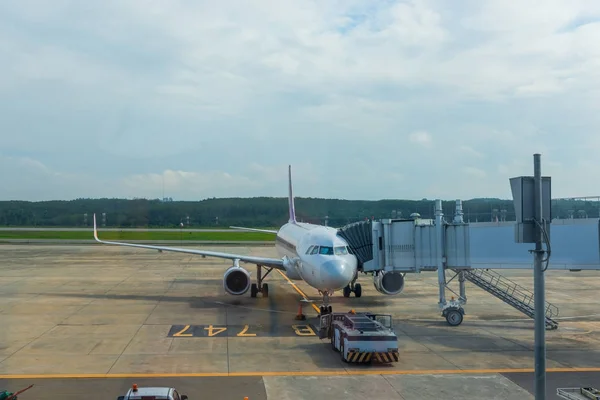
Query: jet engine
<point x="389" y="283"/>
<point x="236" y="280"/>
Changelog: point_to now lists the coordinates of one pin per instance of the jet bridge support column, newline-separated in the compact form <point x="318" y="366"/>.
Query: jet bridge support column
<point x="439" y="236"/>
<point x="451" y="310"/>
<point x="458" y="219"/>
<point x="461" y="286"/>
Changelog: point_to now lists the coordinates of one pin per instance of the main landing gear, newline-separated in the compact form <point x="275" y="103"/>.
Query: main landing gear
<point x="259" y="286"/>
<point x="325" y="308"/>
<point x="353" y="287"/>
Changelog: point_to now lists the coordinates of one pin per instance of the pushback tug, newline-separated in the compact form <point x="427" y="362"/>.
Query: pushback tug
<point x="361" y="337"/>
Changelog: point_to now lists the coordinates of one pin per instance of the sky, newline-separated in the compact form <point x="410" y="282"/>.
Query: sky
<point x="366" y="99"/>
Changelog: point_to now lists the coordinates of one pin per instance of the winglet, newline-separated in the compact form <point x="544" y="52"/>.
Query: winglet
<point x="95" y="231"/>
<point x="292" y="209"/>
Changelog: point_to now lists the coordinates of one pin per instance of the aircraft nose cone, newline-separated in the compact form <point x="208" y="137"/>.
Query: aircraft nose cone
<point x="337" y="274"/>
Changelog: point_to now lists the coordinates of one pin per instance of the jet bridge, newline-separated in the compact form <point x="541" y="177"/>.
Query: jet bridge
<point x="390" y="248"/>
<point x="405" y="245"/>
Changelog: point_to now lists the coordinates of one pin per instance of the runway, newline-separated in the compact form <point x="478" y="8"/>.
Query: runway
<point x="116" y="316"/>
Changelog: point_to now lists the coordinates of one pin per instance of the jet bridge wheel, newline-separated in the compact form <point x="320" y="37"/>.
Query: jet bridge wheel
<point x="454" y="316"/>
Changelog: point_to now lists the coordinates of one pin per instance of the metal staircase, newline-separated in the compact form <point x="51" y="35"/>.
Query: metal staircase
<point x="510" y="292"/>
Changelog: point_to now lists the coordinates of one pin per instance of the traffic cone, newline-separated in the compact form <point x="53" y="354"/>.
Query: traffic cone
<point x="300" y="316"/>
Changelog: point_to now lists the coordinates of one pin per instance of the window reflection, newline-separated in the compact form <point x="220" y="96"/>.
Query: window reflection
<point x="341" y="250"/>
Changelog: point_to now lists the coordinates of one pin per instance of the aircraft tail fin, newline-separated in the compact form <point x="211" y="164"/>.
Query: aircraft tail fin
<point x="96" y="230"/>
<point x="292" y="209"/>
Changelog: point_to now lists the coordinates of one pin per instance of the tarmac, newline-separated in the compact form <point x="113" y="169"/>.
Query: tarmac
<point x="92" y="320"/>
<point x="105" y="229"/>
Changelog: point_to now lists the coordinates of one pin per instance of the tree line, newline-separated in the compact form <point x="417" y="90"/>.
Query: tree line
<point x="256" y="212"/>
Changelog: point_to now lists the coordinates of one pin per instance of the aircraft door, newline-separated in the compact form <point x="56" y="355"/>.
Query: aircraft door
<point x="325" y="326"/>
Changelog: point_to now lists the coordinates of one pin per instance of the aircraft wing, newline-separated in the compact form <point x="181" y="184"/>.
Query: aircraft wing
<point x="276" y="263"/>
<point x="253" y="229"/>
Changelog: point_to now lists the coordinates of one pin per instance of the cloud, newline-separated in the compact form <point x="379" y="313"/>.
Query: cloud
<point x="45" y="182"/>
<point x="471" y="152"/>
<point x="474" y="172"/>
<point x="225" y="96"/>
<point x="421" y="137"/>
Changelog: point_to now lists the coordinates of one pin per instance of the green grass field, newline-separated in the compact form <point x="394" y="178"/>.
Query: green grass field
<point x="142" y="235"/>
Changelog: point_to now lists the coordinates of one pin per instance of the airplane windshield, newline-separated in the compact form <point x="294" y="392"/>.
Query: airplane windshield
<point x="326" y="250"/>
<point x="340" y="250"/>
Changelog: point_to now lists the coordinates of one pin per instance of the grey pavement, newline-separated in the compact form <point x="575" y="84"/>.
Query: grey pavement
<point x="72" y="311"/>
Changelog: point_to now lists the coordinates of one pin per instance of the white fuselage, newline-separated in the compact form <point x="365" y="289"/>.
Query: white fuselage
<point x="317" y="256"/>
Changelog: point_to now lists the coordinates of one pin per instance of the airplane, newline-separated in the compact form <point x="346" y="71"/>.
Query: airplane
<point x="308" y="252"/>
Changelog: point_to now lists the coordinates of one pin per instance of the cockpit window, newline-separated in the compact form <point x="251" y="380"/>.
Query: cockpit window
<point x="340" y="250"/>
<point x="326" y="250"/>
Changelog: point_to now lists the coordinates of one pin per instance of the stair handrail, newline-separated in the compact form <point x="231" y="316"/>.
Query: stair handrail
<point x="523" y="294"/>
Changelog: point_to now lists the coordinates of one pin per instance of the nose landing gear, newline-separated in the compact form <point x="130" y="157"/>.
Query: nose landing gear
<point x="325" y="308"/>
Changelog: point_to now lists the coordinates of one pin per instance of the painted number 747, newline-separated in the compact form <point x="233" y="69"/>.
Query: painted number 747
<point x="212" y="330"/>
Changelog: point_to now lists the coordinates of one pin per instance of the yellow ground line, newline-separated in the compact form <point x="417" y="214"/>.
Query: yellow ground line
<point x="299" y="291"/>
<point x="301" y="373"/>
